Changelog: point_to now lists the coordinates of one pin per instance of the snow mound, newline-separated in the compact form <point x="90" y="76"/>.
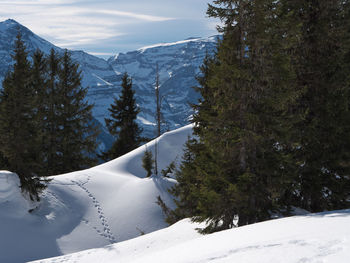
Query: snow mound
<point x="11" y="198"/>
<point x="322" y="237"/>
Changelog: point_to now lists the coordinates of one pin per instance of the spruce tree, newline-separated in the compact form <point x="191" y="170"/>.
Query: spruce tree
<point x="76" y="130"/>
<point x="147" y="162"/>
<point x="18" y="136"/>
<point x="51" y="133"/>
<point x="242" y="121"/>
<point x="122" y="123"/>
<point x="321" y="63"/>
<point x="38" y="83"/>
<point x="68" y="140"/>
<point x="187" y="189"/>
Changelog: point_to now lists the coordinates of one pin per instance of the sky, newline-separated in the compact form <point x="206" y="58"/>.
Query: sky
<point x="107" y="27"/>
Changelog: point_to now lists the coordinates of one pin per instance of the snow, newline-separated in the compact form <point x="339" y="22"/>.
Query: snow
<point x="104" y="82"/>
<point x="11" y="199"/>
<point x="87" y="209"/>
<point x="323" y="237"/>
<point x="100" y="215"/>
<point x="146" y="122"/>
<point x="143" y="49"/>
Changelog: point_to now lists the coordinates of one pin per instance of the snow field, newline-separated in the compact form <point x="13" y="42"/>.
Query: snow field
<point x="323" y="237"/>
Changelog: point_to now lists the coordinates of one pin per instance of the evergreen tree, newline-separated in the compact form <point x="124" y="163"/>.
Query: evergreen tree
<point x="147" y="162"/>
<point x="39" y="85"/>
<point x="51" y="133"/>
<point x="77" y="132"/>
<point x="3" y="162"/>
<point x="46" y="123"/>
<point x="188" y="185"/>
<point x="18" y="135"/>
<point x="240" y="159"/>
<point x="322" y="67"/>
<point x="122" y="123"/>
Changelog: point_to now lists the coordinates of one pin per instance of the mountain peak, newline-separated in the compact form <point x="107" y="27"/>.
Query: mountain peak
<point x="10" y="23"/>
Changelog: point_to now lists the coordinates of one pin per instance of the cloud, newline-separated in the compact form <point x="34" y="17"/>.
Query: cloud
<point x="107" y="26"/>
<point x="69" y="23"/>
<point x="135" y="15"/>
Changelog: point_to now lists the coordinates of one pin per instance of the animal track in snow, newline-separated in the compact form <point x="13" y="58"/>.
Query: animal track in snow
<point x="106" y="231"/>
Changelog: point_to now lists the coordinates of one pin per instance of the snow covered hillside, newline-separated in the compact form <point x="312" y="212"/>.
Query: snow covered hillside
<point x="323" y="237"/>
<point x="92" y="208"/>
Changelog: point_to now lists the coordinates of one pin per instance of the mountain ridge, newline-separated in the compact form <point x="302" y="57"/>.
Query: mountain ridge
<point x="178" y="63"/>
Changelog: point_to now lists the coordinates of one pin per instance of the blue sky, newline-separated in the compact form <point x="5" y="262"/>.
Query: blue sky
<point x="106" y="27"/>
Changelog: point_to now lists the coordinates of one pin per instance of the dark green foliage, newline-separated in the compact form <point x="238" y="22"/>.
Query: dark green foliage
<point x="18" y="135"/>
<point x="51" y="130"/>
<point x="122" y="123"/>
<point x="169" y="169"/>
<point x="272" y="126"/>
<point x="168" y="213"/>
<point x="3" y="162"/>
<point x="188" y="184"/>
<point x="148" y="162"/>
<point x="45" y="123"/>
<point x="322" y="66"/>
<point x="253" y="87"/>
<point x="77" y="132"/>
<point x="68" y="138"/>
<point x="38" y="84"/>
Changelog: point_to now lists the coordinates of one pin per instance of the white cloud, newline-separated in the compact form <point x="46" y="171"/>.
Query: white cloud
<point x="135" y="15"/>
<point x="69" y="23"/>
<point x="108" y="26"/>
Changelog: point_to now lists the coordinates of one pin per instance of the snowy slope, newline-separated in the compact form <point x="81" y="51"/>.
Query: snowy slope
<point x="87" y="209"/>
<point x="323" y="237"/>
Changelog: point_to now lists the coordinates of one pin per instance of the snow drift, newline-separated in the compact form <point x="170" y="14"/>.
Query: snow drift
<point x="87" y="209"/>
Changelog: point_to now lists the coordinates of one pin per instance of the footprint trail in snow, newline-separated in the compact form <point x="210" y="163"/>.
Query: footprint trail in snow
<point x="105" y="232"/>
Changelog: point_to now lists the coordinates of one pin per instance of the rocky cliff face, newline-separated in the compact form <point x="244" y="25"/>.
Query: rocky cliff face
<point x="178" y="64"/>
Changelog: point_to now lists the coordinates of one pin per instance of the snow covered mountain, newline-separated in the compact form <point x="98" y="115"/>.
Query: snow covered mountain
<point x="178" y="65"/>
<point x="87" y="209"/>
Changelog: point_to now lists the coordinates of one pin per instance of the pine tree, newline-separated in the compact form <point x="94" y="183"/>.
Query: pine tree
<point x="122" y="123"/>
<point x="39" y="85"/>
<point x="77" y="132"/>
<point x="322" y="67"/>
<point x="147" y="162"/>
<point x="51" y="133"/>
<point x="187" y="189"/>
<point x="240" y="159"/>
<point x="18" y="135"/>
<point x="3" y="161"/>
